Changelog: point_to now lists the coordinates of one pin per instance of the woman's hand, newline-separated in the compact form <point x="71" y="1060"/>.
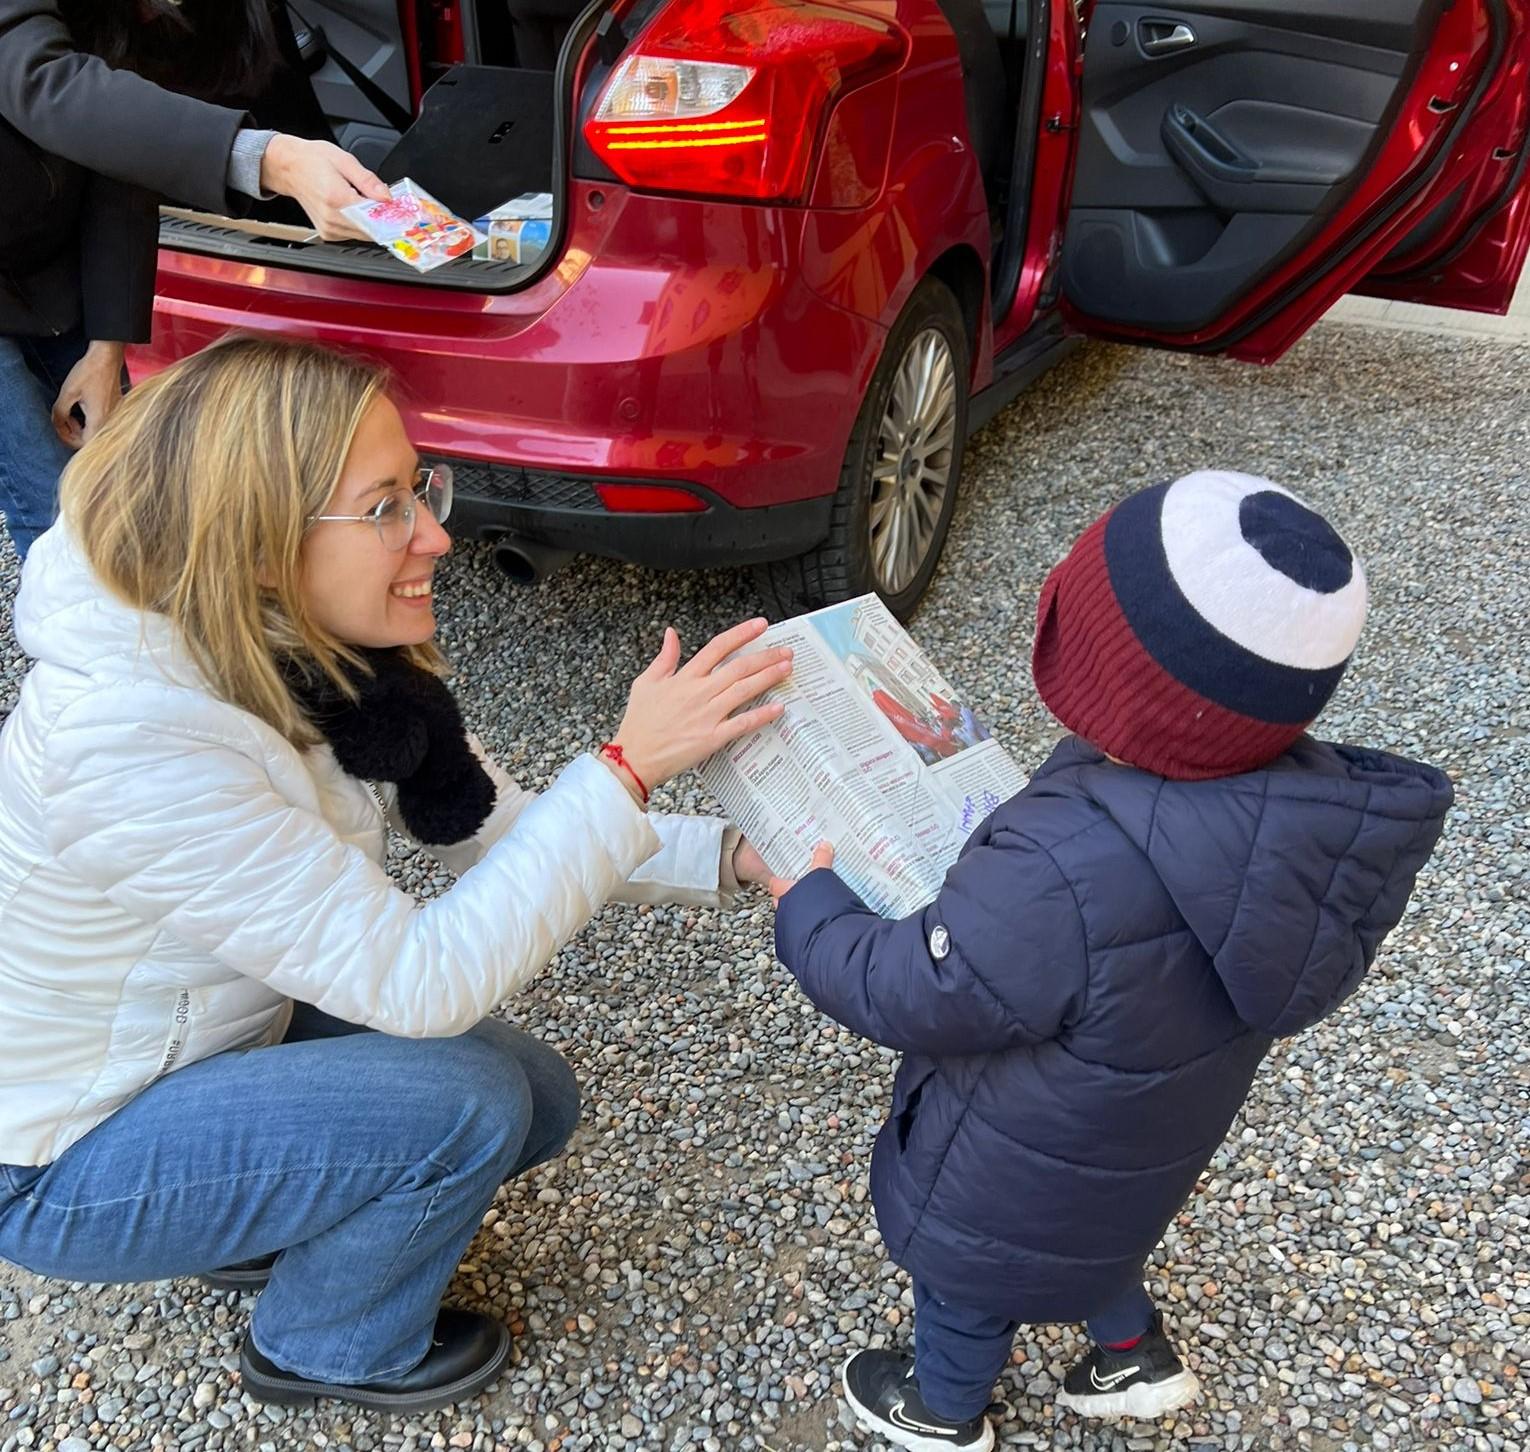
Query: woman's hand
<point x="823" y="856"/>
<point x="748" y="866"/>
<point x="322" y="179"/>
<point x="678" y="715"/>
<point x="94" y="386"/>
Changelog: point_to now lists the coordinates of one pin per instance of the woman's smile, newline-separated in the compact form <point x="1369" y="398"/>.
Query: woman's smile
<point x="413" y="592"/>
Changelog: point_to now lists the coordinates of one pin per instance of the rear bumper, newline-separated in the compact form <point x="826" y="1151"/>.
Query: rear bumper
<point x="675" y="342"/>
<point x="563" y="511"/>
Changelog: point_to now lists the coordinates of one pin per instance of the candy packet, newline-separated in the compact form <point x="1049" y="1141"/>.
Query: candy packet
<point x="415" y="227"/>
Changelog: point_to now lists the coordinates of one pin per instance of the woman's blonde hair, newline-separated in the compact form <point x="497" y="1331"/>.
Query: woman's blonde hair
<point x="193" y="499"/>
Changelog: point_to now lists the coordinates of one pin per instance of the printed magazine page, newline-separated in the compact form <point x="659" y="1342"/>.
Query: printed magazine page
<point x="875" y="753"/>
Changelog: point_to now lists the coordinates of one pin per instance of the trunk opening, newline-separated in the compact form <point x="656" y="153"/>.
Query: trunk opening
<point x="484" y="132"/>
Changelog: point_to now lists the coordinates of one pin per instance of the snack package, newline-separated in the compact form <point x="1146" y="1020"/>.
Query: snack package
<point x="517" y="230"/>
<point x="415" y="227"/>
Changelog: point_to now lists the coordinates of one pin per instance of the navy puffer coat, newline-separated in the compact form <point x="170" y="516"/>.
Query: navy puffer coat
<point x="1121" y="952"/>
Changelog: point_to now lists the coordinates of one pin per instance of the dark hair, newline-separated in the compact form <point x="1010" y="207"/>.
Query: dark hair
<point x="217" y="50"/>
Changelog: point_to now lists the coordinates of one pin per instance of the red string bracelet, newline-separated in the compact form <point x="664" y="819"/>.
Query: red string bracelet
<point x="612" y="752"/>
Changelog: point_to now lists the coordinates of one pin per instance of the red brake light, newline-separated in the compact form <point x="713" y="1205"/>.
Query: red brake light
<point x="649" y="499"/>
<point x="728" y="97"/>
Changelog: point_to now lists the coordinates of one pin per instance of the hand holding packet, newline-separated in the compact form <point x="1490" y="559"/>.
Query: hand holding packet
<point x="415" y="227"/>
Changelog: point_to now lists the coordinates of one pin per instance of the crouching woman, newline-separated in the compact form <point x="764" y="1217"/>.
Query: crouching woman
<point x="230" y="1040"/>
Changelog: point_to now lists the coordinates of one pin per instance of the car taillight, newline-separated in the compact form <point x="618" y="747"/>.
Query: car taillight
<point x="728" y="97"/>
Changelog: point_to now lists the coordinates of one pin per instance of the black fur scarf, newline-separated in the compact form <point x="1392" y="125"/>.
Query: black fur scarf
<point x="405" y="728"/>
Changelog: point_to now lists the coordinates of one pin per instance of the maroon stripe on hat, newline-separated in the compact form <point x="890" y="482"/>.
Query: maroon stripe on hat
<point x="1099" y="681"/>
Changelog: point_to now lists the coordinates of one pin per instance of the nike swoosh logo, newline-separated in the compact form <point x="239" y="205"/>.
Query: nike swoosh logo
<point x="1104" y="1383"/>
<point x="908" y="1424"/>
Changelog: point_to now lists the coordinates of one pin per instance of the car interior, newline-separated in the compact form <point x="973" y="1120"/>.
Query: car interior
<point x="350" y="82"/>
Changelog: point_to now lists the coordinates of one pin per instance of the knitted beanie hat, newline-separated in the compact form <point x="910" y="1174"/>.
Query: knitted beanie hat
<point x="1198" y="628"/>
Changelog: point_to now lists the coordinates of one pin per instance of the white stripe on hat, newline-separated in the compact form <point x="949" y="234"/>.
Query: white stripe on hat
<point x="1235" y="590"/>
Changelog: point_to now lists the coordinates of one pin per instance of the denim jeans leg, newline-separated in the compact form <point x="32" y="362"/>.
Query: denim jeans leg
<point x="369" y="1159"/>
<point x="554" y="1089"/>
<point x="958" y="1354"/>
<point x="32" y="455"/>
<point x="1124" y="1317"/>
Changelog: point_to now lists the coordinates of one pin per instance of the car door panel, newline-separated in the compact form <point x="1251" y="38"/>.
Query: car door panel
<point x="1203" y="162"/>
<point x="1401" y="26"/>
<point x="1242" y="163"/>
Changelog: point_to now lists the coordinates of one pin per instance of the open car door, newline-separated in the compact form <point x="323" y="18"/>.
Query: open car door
<point x="1243" y="163"/>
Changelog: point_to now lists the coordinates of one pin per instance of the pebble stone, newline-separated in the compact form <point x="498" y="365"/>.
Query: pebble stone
<point x="1353" y="1273"/>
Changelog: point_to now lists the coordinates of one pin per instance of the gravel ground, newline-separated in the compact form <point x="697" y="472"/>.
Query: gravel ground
<point x="1353" y="1273"/>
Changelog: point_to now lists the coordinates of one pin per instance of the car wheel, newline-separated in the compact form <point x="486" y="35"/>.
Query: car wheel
<point x="897" y="488"/>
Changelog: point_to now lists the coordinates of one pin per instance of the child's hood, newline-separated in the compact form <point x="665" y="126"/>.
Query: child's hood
<point x="1289" y="877"/>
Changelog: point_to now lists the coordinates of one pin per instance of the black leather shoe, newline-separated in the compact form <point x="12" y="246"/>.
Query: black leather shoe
<point x="468" y="1351"/>
<point x="243" y="1275"/>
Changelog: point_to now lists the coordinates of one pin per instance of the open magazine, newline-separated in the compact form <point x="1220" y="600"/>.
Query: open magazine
<point x="875" y="753"/>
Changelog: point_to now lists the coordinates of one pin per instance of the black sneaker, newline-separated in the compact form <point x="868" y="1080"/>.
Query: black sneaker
<point x="468" y="1351"/>
<point x="882" y="1392"/>
<point x="1144" y="1383"/>
<point x="242" y="1275"/>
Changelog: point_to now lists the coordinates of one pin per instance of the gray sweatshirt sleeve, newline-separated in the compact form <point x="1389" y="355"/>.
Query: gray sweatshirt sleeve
<point x="244" y="160"/>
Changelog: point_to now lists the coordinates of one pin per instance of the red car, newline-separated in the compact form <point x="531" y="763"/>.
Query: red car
<point x="801" y="249"/>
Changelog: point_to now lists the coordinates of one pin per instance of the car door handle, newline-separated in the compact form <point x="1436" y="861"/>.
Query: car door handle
<point x="1164" y="37"/>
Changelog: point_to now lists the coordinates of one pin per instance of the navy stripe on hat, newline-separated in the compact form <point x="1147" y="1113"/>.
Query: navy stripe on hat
<point x="1189" y="647"/>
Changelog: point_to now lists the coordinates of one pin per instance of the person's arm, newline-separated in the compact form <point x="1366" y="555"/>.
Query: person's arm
<point x="110" y="121"/>
<point x="118" y="246"/>
<point x="996" y="961"/>
<point x="693" y="866"/>
<point x="183" y="829"/>
<point x="118" y="124"/>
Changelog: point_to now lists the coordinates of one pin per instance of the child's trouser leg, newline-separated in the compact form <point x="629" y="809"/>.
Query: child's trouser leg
<point x="958" y="1354"/>
<point x="1123" y="1318"/>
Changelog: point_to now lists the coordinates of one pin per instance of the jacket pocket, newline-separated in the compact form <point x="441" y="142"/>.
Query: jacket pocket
<point x="906" y="1104"/>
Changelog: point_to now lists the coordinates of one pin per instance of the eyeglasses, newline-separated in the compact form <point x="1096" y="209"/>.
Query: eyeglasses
<point x="394" y="515"/>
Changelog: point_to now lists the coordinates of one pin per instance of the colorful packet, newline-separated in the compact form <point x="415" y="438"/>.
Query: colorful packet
<point x="517" y="231"/>
<point x="415" y="227"/>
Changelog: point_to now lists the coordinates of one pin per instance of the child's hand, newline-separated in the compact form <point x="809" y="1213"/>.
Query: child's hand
<point x="823" y="856"/>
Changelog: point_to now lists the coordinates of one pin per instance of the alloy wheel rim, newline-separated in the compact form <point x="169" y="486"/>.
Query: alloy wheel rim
<point x="911" y="476"/>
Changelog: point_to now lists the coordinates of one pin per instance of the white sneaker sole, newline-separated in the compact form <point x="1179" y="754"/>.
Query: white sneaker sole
<point x="902" y="1436"/>
<point x="1145" y="1402"/>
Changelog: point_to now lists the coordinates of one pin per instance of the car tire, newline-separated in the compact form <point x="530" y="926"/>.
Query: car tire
<point x="897" y="487"/>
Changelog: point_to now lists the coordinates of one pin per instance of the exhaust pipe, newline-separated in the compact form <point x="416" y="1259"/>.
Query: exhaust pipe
<point x="526" y="562"/>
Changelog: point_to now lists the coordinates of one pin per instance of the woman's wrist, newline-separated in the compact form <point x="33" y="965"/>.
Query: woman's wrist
<point x="614" y="759"/>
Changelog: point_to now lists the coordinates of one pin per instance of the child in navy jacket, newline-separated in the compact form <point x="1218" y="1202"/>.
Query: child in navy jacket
<point x="1083" y="1007"/>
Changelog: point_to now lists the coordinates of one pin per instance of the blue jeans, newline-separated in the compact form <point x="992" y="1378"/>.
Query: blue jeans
<point x="959" y="1352"/>
<point x="367" y="1160"/>
<point x="32" y="456"/>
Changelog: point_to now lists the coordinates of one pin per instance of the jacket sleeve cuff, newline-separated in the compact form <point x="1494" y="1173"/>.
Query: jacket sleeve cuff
<point x="244" y="159"/>
<point x="632" y="828"/>
<point x="688" y="868"/>
<point x="817" y="899"/>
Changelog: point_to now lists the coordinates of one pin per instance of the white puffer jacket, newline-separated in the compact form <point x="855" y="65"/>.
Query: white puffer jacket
<point x="173" y="873"/>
